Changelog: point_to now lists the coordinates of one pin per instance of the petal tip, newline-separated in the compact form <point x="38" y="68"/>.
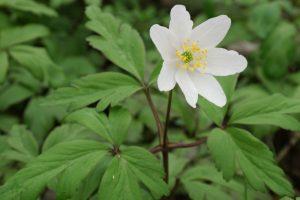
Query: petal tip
<point x="221" y="102"/>
<point x="178" y="7"/>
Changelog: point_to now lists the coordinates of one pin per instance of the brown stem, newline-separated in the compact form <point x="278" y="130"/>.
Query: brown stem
<point x="293" y="141"/>
<point x="155" y="115"/>
<point x="165" y="150"/>
<point x="178" y="145"/>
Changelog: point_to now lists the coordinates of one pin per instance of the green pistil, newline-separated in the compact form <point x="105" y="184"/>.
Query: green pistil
<point x="188" y="56"/>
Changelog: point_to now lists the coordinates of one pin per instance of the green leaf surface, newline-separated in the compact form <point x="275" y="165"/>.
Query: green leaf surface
<point x="254" y="158"/>
<point x="117" y="41"/>
<point x="264" y="17"/>
<point x="223" y="151"/>
<point x="30" y="181"/>
<point x="29" y="6"/>
<point x="40" y="119"/>
<point x="23" y="145"/>
<point x="66" y="133"/>
<point x="3" y="65"/>
<point x="278" y="50"/>
<point x="13" y="94"/>
<point x="205" y="182"/>
<point x="271" y="110"/>
<point x="92" y="120"/>
<point x="38" y="62"/>
<point x="7" y="121"/>
<point x="109" y="87"/>
<point x="133" y="166"/>
<point x="17" y="35"/>
<point x="119" y="121"/>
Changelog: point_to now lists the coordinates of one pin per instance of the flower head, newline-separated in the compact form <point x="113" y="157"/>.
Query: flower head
<point x="191" y="58"/>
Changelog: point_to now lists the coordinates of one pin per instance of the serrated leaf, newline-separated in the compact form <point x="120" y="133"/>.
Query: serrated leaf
<point x="17" y="35"/>
<point x="215" y="113"/>
<point x="222" y="149"/>
<point x="118" y="42"/>
<point x="3" y="65"/>
<point x="133" y="166"/>
<point x="205" y="182"/>
<point x="69" y="181"/>
<point x="13" y="94"/>
<point x="92" y="181"/>
<point x="119" y="121"/>
<point x="23" y="145"/>
<point x="38" y="62"/>
<point x="255" y="160"/>
<point x="271" y="110"/>
<point x="30" y="181"/>
<point x="92" y="120"/>
<point x="89" y="89"/>
<point x="40" y="119"/>
<point x="66" y="133"/>
<point x="29" y="6"/>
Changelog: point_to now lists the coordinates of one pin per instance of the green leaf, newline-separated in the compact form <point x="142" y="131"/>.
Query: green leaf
<point x="205" y="182"/>
<point x="3" y="65"/>
<point x="119" y="121"/>
<point x="278" y="50"/>
<point x="66" y="133"/>
<point x="222" y="149"/>
<point x="118" y="42"/>
<point x="92" y="120"/>
<point x="254" y="158"/>
<point x="272" y="110"/>
<point x="23" y="145"/>
<point x="69" y="181"/>
<point x="264" y="17"/>
<point x="41" y="119"/>
<point x="176" y="166"/>
<point x="38" y="62"/>
<point x="59" y="3"/>
<point x="17" y="35"/>
<point x="13" y="94"/>
<point x="214" y="112"/>
<point x="92" y="181"/>
<point x="133" y="166"/>
<point x="29" y="6"/>
<point x="109" y="87"/>
<point x="30" y="181"/>
<point x="7" y="121"/>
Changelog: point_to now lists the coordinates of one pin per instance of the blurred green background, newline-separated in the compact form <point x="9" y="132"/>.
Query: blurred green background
<point x="266" y="32"/>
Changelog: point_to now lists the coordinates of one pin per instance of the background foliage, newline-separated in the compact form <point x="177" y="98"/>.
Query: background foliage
<point x="72" y="75"/>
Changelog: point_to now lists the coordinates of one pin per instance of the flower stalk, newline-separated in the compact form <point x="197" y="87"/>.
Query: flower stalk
<point x="155" y="115"/>
<point x="165" y="149"/>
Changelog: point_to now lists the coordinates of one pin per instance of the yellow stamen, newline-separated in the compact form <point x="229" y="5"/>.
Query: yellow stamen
<point x="191" y="56"/>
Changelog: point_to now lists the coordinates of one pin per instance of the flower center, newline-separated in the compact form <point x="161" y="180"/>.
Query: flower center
<point x="191" y="56"/>
<point x="186" y="56"/>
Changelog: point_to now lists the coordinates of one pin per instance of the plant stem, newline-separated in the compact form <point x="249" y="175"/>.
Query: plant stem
<point x="293" y="141"/>
<point x="165" y="150"/>
<point x="160" y="132"/>
<point x="178" y="145"/>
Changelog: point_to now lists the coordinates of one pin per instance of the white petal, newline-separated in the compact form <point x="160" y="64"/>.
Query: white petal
<point x="186" y="85"/>
<point x="166" y="78"/>
<point x="164" y="41"/>
<point x="211" y="32"/>
<point x="209" y="88"/>
<point x="221" y="62"/>
<point x="181" y="24"/>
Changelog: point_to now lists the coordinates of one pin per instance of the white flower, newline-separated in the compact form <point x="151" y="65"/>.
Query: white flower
<point x="191" y="58"/>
